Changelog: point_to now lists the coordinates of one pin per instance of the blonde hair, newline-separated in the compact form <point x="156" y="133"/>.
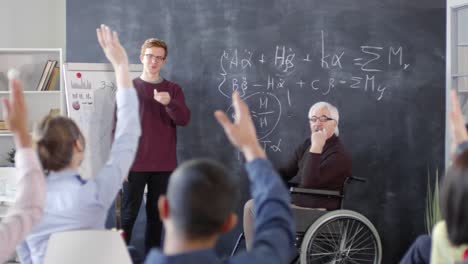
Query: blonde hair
<point x="153" y="42"/>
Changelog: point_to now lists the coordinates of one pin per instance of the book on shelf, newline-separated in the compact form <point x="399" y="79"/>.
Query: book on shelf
<point x="43" y="75"/>
<point x="46" y="75"/>
<point x="49" y="75"/>
<point x="51" y="85"/>
<point x="54" y="112"/>
<point x="3" y="125"/>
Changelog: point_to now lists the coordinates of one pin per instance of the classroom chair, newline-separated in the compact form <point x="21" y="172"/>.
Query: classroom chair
<point x="87" y="246"/>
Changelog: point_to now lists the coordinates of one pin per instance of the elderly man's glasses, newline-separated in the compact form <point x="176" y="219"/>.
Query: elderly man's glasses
<point x="322" y="119"/>
<point x="156" y="58"/>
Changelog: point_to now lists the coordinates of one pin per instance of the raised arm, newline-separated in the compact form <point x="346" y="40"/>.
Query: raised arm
<point x="115" y="53"/>
<point x="274" y="226"/>
<point x="457" y="123"/>
<point x="29" y="204"/>
<point x="128" y="128"/>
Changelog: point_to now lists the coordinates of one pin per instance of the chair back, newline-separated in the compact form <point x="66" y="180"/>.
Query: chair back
<point x="87" y="246"/>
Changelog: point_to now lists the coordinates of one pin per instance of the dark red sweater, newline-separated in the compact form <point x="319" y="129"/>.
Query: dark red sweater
<point x="326" y="171"/>
<point x="157" y="147"/>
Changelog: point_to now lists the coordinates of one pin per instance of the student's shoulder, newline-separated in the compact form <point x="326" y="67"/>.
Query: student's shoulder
<point x="440" y="230"/>
<point x="137" y="80"/>
<point x="138" y="83"/>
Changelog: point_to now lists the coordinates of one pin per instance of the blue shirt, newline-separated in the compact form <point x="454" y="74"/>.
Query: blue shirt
<point x="274" y="225"/>
<point x="73" y="203"/>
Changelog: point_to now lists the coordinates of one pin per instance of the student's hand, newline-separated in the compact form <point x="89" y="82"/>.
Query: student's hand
<point x="318" y="139"/>
<point x="162" y="97"/>
<point x="110" y="44"/>
<point x="15" y="114"/>
<point x="241" y="133"/>
<point x="457" y="124"/>
<point x="115" y="53"/>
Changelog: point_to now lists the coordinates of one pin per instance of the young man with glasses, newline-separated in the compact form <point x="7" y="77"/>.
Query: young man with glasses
<point x="320" y="162"/>
<point x="162" y="109"/>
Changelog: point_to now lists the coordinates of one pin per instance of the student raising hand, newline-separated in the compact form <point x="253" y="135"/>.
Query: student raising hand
<point x="457" y="124"/>
<point x="241" y="132"/>
<point x="15" y="114"/>
<point x="115" y="53"/>
<point x="75" y="201"/>
<point x="29" y="204"/>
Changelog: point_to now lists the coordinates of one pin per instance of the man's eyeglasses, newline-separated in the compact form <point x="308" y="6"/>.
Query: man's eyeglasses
<point x="152" y="57"/>
<point x="322" y="119"/>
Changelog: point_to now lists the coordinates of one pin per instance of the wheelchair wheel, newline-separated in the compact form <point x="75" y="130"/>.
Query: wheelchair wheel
<point x="341" y="236"/>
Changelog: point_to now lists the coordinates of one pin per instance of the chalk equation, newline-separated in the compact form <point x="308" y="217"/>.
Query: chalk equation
<point x="237" y="66"/>
<point x="285" y="75"/>
<point x="265" y="109"/>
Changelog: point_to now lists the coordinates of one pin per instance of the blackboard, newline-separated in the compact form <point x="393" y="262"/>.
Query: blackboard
<point x="380" y="62"/>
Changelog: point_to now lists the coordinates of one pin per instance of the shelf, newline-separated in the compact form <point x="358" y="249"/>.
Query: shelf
<point x="9" y="134"/>
<point x="5" y="133"/>
<point x="28" y="50"/>
<point x="31" y="64"/>
<point x="33" y="92"/>
<point x="7" y="199"/>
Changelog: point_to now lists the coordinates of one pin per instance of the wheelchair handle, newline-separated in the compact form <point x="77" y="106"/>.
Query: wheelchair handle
<point x="352" y="178"/>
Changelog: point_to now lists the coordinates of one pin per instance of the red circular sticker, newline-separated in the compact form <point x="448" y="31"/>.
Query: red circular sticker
<point x="78" y="75"/>
<point x="76" y="105"/>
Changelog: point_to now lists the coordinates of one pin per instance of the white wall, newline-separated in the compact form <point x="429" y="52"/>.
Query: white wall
<point x="33" y="24"/>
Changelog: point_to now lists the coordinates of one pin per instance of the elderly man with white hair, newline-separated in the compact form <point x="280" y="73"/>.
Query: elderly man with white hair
<point x="320" y="162"/>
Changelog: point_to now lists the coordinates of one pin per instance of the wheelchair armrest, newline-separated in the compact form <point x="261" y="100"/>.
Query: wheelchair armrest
<point x="314" y="192"/>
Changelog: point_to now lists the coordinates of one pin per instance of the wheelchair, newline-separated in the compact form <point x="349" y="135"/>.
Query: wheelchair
<point x="338" y="236"/>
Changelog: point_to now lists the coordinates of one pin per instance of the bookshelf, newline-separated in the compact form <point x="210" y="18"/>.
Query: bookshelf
<point x="31" y="64"/>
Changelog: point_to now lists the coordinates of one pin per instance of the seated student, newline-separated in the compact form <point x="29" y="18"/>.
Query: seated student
<point x="29" y="204"/>
<point x="420" y="251"/>
<point x="450" y="237"/>
<point x="320" y="162"/>
<point x="201" y="200"/>
<point x="72" y="202"/>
